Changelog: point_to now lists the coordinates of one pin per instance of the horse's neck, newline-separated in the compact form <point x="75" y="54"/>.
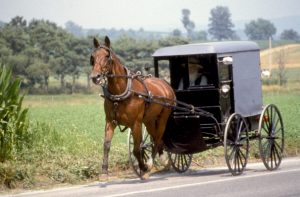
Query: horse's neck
<point x="117" y="85"/>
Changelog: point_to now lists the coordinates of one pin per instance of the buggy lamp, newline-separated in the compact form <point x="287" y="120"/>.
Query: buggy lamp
<point x="227" y="60"/>
<point x="225" y="88"/>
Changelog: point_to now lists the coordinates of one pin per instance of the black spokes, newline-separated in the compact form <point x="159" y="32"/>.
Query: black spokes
<point x="236" y="144"/>
<point x="271" y="137"/>
<point x="180" y="162"/>
<point x="146" y="150"/>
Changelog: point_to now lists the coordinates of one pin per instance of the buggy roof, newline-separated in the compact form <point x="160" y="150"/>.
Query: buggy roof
<point x="206" y="48"/>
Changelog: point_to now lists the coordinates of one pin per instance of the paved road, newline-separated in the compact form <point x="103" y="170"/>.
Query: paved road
<point x="256" y="181"/>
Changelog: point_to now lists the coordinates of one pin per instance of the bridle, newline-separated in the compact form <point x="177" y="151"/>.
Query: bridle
<point x="108" y="65"/>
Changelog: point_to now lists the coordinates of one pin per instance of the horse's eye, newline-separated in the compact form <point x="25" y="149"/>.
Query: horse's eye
<point x="92" y="60"/>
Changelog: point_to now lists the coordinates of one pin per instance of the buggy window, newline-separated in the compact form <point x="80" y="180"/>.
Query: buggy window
<point x="164" y="70"/>
<point x="179" y="73"/>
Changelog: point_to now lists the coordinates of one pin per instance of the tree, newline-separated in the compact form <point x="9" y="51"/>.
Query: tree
<point x="187" y="23"/>
<point x="260" y="29"/>
<point x="176" y="32"/>
<point x="15" y="34"/>
<point x="290" y="34"/>
<point x="73" y="28"/>
<point x="220" y="26"/>
<point x="18" y="21"/>
<point x="39" y="72"/>
<point x="201" y="35"/>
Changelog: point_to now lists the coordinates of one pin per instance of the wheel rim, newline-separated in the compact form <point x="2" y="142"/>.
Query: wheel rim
<point x="236" y="144"/>
<point x="271" y="137"/>
<point x="180" y="162"/>
<point x="146" y="150"/>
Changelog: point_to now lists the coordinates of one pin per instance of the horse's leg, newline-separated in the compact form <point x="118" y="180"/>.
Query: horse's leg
<point x="151" y="129"/>
<point x="161" y="123"/>
<point x="137" y="150"/>
<point x="109" y="132"/>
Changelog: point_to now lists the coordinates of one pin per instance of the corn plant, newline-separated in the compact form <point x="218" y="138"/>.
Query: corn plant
<point x="13" y="119"/>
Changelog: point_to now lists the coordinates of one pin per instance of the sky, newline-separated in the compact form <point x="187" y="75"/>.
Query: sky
<point x="158" y="15"/>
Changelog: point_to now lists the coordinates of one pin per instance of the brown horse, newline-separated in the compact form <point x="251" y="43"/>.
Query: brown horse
<point x="128" y="102"/>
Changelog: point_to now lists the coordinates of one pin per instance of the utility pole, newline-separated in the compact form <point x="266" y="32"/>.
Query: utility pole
<point x="270" y="54"/>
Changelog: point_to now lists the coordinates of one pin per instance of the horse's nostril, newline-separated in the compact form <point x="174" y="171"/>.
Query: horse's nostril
<point x="96" y="78"/>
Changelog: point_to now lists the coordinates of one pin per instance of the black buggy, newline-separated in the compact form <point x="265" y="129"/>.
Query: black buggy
<point x="219" y="103"/>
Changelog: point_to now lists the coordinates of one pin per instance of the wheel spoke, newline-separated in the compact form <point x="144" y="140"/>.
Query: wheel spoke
<point x="278" y="131"/>
<point x="185" y="161"/>
<point x="276" y="122"/>
<point x="266" y="129"/>
<point x="232" y="152"/>
<point x="278" y="149"/>
<point x="243" y="155"/>
<point x="266" y="149"/>
<point x="269" y="117"/>
<point x="229" y="142"/>
<point x="274" y="155"/>
<point x="181" y="160"/>
<point x="238" y="160"/>
<point x="175" y="160"/>
<point x="278" y="146"/>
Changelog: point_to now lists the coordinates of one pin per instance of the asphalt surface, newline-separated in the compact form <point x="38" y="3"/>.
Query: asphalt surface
<point x="256" y="181"/>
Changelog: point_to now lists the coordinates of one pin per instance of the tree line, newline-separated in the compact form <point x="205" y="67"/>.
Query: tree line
<point x="220" y="27"/>
<point x="39" y="49"/>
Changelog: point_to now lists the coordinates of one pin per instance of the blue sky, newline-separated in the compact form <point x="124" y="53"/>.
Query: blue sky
<point x="160" y="15"/>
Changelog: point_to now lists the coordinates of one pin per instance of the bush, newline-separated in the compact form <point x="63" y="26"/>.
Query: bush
<point x="13" y="119"/>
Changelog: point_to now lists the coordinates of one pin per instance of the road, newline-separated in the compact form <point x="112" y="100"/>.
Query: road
<point x="256" y="181"/>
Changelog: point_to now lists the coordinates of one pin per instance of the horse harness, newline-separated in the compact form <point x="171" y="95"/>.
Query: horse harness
<point x="148" y="97"/>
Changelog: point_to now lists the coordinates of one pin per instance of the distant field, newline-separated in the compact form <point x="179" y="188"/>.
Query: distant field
<point x="291" y="52"/>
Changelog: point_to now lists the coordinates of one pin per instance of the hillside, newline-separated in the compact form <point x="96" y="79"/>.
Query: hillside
<point x="291" y="52"/>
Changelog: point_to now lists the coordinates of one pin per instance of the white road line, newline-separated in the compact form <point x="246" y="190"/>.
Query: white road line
<point x="203" y="183"/>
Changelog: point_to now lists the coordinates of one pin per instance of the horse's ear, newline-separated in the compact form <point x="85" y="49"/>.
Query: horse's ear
<point x="107" y="41"/>
<point x="96" y="43"/>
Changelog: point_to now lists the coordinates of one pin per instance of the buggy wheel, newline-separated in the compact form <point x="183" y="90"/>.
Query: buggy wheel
<point x="236" y="144"/>
<point x="180" y="162"/>
<point x="146" y="150"/>
<point x="271" y="137"/>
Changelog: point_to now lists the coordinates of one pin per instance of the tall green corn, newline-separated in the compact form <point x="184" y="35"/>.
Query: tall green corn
<point x="13" y="119"/>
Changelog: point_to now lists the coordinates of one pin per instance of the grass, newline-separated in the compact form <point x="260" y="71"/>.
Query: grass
<point x="68" y="130"/>
<point x="68" y="135"/>
<point x="67" y="138"/>
<point x="289" y="106"/>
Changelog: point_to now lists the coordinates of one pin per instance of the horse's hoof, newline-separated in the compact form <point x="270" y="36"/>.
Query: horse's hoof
<point x="145" y="176"/>
<point x="103" y="178"/>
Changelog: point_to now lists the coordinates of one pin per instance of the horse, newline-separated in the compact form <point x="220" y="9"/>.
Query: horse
<point x="128" y="101"/>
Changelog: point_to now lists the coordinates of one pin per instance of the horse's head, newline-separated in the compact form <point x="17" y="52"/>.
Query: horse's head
<point x="101" y="60"/>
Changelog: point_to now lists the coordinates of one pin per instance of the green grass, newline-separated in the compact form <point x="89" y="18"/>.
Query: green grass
<point x="67" y="139"/>
<point x="289" y="106"/>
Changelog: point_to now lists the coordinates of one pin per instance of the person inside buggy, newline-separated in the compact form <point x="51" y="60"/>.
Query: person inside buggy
<point x="196" y="72"/>
<point x="189" y="72"/>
